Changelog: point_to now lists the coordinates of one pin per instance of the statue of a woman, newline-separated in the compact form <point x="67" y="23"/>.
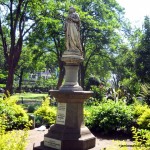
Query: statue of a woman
<point x="72" y="31"/>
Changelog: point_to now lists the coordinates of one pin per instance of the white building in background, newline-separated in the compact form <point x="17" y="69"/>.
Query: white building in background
<point x="44" y="74"/>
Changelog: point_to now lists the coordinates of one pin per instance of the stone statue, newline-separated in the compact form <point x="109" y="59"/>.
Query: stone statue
<point x="72" y="32"/>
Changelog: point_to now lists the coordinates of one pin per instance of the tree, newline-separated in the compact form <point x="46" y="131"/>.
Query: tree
<point x="123" y="60"/>
<point x="98" y="30"/>
<point x="2" y="69"/>
<point x="143" y="54"/>
<point x="123" y="70"/>
<point x="15" y="17"/>
<point x="25" y="65"/>
<point x="99" y="21"/>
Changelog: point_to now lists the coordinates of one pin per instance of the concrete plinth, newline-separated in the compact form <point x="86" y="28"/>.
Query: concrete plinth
<point x="67" y="139"/>
<point x="71" y="79"/>
<point x="69" y="132"/>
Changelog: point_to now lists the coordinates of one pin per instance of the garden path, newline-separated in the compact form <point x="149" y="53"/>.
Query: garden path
<point x="35" y="137"/>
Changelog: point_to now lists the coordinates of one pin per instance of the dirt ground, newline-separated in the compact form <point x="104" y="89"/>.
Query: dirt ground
<point x="102" y="142"/>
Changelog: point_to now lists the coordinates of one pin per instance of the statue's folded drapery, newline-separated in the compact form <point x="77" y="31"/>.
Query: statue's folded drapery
<point x="72" y="32"/>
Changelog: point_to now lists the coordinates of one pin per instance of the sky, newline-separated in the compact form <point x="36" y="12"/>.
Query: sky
<point x="135" y="10"/>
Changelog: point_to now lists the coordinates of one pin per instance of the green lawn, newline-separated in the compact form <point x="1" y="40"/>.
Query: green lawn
<point x="37" y="96"/>
<point x="28" y="96"/>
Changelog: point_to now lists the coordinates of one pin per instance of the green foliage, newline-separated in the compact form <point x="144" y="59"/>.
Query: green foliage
<point x="141" y="139"/>
<point x="139" y="109"/>
<point x="21" y="17"/>
<point x="47" y="113"/>
<point x="31" y="108"/>
<point x="98" y="92"/>
<point x="144" y="120"/>
<point x="2" y="76"/>
<point x="92" y="102"/>
<point x="98" y="95"/>
<point x="2" y="79"/>
<point x="109" y="116"/>
<point x="12" y="140"/>
<point x="16" y="140"/>
<point x="50" y="82"/>
<point x="142" y="63"/>
<point x="145" y="93"/>
<point x="2" y="85"/>
<point x="99" y="20"/>
<point x="2" y="124"/>
<point x="123" y="94"/>
<point x="142" y="115"/>
<point x="132" y="84"/>
<point x="15" y="115"/>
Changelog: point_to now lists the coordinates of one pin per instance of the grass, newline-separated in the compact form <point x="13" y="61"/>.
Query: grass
<point x="31" y="94"/>
<point x="28" y="96"/>
<point x="37" y="96"/>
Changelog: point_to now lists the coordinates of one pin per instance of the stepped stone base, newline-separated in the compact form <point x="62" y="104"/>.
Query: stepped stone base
<point x="60" y="137"/>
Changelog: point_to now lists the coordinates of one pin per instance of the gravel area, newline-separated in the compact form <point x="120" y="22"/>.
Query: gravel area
<point x="35" y="137"/>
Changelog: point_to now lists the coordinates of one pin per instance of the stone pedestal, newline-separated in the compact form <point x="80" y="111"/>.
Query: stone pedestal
<point x="72" y="61"/>
<point x="69" y="132"/>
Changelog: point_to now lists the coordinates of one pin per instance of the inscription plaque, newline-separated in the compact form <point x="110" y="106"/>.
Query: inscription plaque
<point x="53" y="143"/>
<point x="61" y="113"/>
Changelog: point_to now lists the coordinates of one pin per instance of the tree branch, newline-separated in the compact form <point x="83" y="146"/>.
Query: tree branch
<point x="88" y="60"/>
<point x="18" y="48"/>
<point x="22" y="18"/>
<point x="3" y="41"/>
<point x="30" y="27"/>
<point x="2" y="3"/>
<point x="91" y="55"/>
<point x="56" y="45"/>
<point x="12" y="31"/>
<point x="54" y="52"/>
<point x="18" y="12"/>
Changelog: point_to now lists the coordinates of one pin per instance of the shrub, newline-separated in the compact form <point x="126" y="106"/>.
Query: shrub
<point x="142" y="116"/>
<point x="46" y="112"/>
<point x="141" y="139"/>
<point x="92" y="102"/>
<point x="32" y="108"/>
<point x="16" y="140"/>
<point x="98" y="95"/>
<point x="144" y="120"/>
<point x="16" y="117"/>
<point x="2" y="124"/>
<point x="139" y="109"/>
<point x="133" y="87"/>
<point x="11" y="140"/>
<point x="109" y="116"/>
<point x="98" y="92"/>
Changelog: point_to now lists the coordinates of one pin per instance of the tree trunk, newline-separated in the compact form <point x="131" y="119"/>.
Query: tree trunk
<point x="61" y="74"/>
<point x="20" y="80"/>
<point x="10" y="80"/>
<point x="12" y="61"/>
